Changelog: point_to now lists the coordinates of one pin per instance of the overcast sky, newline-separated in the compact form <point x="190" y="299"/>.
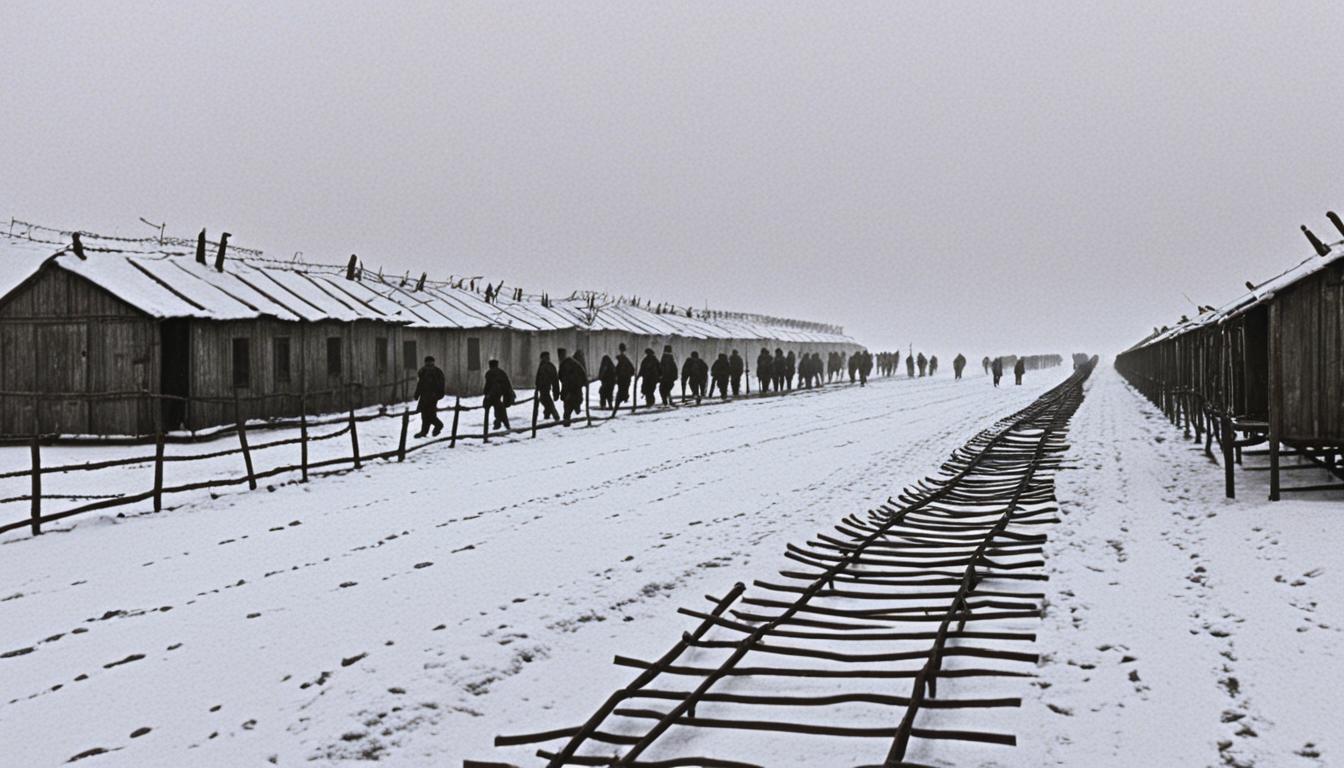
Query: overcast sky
<point x="984" y="177"/>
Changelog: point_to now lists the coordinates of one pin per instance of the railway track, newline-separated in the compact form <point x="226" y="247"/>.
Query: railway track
<point x="839" y="660"/>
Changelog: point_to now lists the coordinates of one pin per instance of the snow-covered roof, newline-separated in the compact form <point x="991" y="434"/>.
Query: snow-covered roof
<point x="163" y="279"/>
<point x="1252" y="298"/>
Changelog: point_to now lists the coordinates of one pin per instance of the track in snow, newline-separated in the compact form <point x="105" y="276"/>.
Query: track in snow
<point x="888" y="603"/>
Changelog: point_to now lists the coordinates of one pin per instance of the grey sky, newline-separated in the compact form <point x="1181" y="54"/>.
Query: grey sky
<point x="982" y="177"/>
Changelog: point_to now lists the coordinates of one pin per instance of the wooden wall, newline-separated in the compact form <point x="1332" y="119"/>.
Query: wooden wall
<point x="1311" y="332"/>
<point x="60" y="333"/>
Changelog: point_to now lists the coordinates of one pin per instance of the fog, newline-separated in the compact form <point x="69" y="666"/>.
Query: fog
<point x="982" y="177"/>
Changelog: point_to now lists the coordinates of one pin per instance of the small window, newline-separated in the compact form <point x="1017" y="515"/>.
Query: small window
<point x="334" y="356"/>
<point x="282" y="360"/>
<point x="380" y="354"/>
<point x="473" y="354"/>
<point x="410" y="359"/>
<point x="242" y="363"/>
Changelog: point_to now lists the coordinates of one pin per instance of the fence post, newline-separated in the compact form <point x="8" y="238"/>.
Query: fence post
<point x="485" y="423"/>
<point x="354" y="438"/>
<point x="247" y="456"/>
<point x="536" y="406"/>
<point x="405" y="426"/>
<point x="1228" y="437"/>
<point x="158" y="472"/>
<point x="634" y="393"/>
<point x="587" y="412"/>
<point x="303" y="444"/>
<point x="37" y="487"/>
<point x="457" y="404"/>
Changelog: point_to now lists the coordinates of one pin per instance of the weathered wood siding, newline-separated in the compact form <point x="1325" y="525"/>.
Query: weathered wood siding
<point x="1311" y="315"/>
<point x="61" y="334"/>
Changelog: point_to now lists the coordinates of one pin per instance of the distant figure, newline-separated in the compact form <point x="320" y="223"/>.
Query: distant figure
<point x="1019" y="368"/>
<point x="668" y="375"/>
<point x="625" y="371"/>
<point x="985" y="363"/>
<point x="651" y="373"/>
<point x="923" y="363"/>
<point x="779" y="367"/>
<point x="736" y="365"/>
<point x="498" y="394"/>
<point x="763" y="373"/>
<point x="909" y="367"/>
<point x="606" y="377"/>
<point x="719" y="373"/>
<point x="548" y="387"/>
<point x="855" y="358"/>
<point x="865" y="367"/>
<point x="933" y="365"/>
<point x="695" y="376"/>
<point x="818" y="370"/>
<point x="790" y="369"/>
<point x="429" y="388"/>
<point x="958" y="364"/>
<point x="573" y="382"/>
<point x="996" y="368"/>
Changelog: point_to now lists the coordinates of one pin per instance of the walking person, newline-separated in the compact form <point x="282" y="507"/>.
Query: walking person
<point x="958" y="364"/>
<point x="735" y="367"/>
<point x="651" y="372"/>
<point x="429" y="389"/>
<point x="763" y="372"/>
<point x="573" y="381"/>
<point x="720" y="372"/>
<point x="695" y="373"/>
<point x="985" y="363"/>
<point x="667" y="374"/>
<point x="1019" y="368"/>
<point x="933" y="365"/>
<point x="996" y="368"/>
<point x="606" y="377"/>
<point x="498" y="393"/>
<point x="625" y="371"/>
<point x="779" y="368"/>
<point x="547" y="387"/>
<point x="923" y="363"/>
<point x="909" y="367"/>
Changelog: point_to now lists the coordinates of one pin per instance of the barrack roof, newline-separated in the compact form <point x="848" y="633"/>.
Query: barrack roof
<point x="162" y="278"/>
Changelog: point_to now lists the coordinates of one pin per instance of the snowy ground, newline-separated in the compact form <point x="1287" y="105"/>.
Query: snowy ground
<point x="411" y="612"/>
<point x="1184" y="629"/>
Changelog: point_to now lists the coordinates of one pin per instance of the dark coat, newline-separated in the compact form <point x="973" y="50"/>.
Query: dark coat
<point x="668" y="367"/>
<point x="547" y="378"/>
<point x="625" y="370"/>
<point x="650" y="371"/>
<point x="763" y="363"/>
<point x="429" y="385"/>
<point x="498" y="387"/>
<point x="721" y="369"/>
<point x="1020" y="367"/>
<point x="736" y="364"/>
<point x="997" y="366"/>
<point x="573" y="378"/>
<point x="606" y="371"/>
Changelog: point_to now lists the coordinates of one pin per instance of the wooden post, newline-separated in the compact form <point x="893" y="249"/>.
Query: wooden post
<point x="536" y="406"/>
<point x="1275" y="396"/>
<point x="452" y="437"/>
<point x="485" y="425"/>
<point x="354" y="438"/>
<point x="634" y="392"/>
<point x="1228" y="437"/>
<point x="586" y="411"/>
<point x="37" y="487"/>
<point x="405" y="427"/>
<point x="247" y="456"/>
<point x="303" y="444"/>
<point x="158" y="472"/>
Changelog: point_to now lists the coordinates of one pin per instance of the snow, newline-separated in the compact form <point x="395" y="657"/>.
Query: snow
<point x="411" y="612"/>
<point x="547" y="557"/>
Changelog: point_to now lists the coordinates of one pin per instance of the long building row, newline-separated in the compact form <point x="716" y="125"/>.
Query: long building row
<point x="107" y="336"/>
<point x="1264" y="369"/>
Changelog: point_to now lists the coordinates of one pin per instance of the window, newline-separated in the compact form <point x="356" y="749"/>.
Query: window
<point x="473" y="354"/>
<point x="410" y="360"/>
<point x="242" y="363"/>
<point x="380" y="354"/>
<point x="282" y="360"/>
<point x="334" y="356"/>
